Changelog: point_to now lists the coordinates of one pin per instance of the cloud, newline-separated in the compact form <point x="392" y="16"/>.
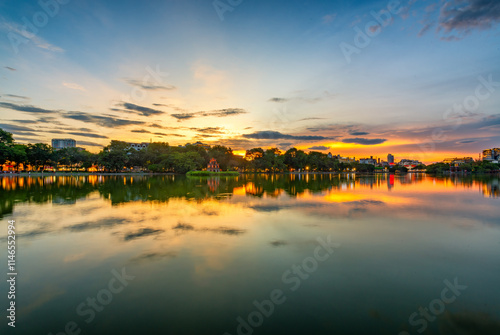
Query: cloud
<point x="141" y="233"/>
<point x="268" y="135"/>
<point x="319" y="147"/>
<point x="104" y="121"/>
<point x="358" y="133"/>
<point x="23" y="36"/>
<point x="11" y="127"/>
<point x="210" y="130"/>
<point x="280" y="100"/>
<point x="88" y="135"/>
<point x="145" y="111"/>
<point x="22" y="97"/>
<point x="426" y="27"/>
<point x="463" y="16"/>
<point x="26" y="108"/>
<point x="74" y="86"/>
<point x="216" y="113"/>
<point x="89" y="144"/>
<point x="144" y="85"/>
<point x="10" y="68"/>
<point x="141" y="131"/>
<point x="364" y="141"/>
<point x="328" y="18"/>
<point x="374" y="28"/>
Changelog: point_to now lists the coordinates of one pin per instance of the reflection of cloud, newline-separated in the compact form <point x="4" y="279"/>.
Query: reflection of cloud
<point x="141" y="233"/>
<point x="225" y="231"/>
<point x="108" y="222"/>
<point x="278" y="243"/>
<point x="183" y="226"/>
<point x="219" y="230"/>
<point x="154" y="256"/>
<point x="73" y="258"/>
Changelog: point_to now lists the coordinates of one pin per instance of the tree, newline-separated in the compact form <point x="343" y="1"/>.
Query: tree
<point x="38" y="154"/>
<point x="18" y="154"/>
<point x="114" y="157"/>
<point x="6" y="141"/>
<point x="295" y="159"/>
<point x="6" y="137"/>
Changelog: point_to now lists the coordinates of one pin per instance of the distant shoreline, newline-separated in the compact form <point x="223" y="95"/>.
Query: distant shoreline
<point x="142" y="174"/>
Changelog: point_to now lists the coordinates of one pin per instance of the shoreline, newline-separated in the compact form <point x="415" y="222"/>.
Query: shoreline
<point x="142" y="174"/>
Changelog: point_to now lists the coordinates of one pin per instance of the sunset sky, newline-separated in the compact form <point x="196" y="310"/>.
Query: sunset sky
<point x="418" y="79"/>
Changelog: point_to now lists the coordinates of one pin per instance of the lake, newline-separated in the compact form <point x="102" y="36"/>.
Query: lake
<point x="269" y="254"/>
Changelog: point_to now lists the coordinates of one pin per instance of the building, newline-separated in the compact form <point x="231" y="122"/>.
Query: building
<point x="368" y="161"/>
<point x="213" y="166"/>
<point x="138" y="146"/>
<point x="458" y="160"/>
<point x="491" y="155"/>
<point x="409" y="162"/>
<point x="390" y="159"/>
<point x="61" y="143"/>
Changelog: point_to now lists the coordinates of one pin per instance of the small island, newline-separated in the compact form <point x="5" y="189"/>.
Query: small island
<point x="213" y="169"/>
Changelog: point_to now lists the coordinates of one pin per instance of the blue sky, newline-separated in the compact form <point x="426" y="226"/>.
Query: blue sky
<point x="271" y="73"/>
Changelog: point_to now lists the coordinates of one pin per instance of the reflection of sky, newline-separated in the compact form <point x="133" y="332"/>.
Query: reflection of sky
<point x="201" y="263"/>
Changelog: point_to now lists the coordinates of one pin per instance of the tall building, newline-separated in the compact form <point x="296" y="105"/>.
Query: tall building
<point x="390" y="159"/>
<point x="61" y="143"/>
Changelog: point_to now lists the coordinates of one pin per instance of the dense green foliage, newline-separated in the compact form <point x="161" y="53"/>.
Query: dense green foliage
<point x="475" y="167"/>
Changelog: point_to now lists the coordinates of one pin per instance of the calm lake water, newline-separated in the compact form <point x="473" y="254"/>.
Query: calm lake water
<point x="299" y="254"/>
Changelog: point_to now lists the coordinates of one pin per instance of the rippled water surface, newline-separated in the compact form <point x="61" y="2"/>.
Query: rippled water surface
<point x="286" y="254"/>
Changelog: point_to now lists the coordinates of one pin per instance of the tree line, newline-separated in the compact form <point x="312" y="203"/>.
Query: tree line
<point x="161" y="157"/>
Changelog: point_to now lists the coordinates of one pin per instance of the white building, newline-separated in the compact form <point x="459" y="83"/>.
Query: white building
<point x="61" y="143"/>
<point x="138" y="146"/>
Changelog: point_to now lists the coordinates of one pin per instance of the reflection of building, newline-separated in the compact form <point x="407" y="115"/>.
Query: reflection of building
<point x="491" y="154"/>
<point x="213" y="166"/>
<point x="61" y="143"/>
<point x="138" y="146"/>
<point x="390" y="159"/>
<point x="491" y="189"/>
<point x="213" y="184"/>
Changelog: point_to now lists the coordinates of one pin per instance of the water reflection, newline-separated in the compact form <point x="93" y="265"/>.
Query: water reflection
<point x="203" y="249"/>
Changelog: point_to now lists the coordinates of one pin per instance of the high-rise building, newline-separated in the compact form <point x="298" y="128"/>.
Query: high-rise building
<point x="390" y="159"/>
<point x="61" y="143"/>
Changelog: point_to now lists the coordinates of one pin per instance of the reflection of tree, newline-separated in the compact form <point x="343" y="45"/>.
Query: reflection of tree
<point x="120" y="189"/>
<point x="41" y="190"/>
